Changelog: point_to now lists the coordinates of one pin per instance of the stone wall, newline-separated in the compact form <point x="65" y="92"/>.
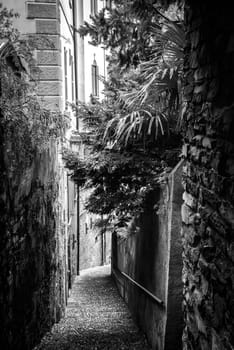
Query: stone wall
<point x="32" y="259"/>
<point x="38" y="206"/>
<point x="150" y="253"/>
<point x="208" y="211"/>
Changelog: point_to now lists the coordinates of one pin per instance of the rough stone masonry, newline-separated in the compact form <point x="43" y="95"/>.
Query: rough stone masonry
<point x="208" y="212"/>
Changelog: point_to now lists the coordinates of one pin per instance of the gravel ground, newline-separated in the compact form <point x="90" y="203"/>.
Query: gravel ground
<point x="96" y="318"/>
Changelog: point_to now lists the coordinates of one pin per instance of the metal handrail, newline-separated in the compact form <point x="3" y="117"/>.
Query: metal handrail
<point x="159" y="301"/>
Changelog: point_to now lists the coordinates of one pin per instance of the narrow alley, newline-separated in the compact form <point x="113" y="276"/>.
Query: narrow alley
<point x="96" y="318"/>
<point x="116" y="146"/>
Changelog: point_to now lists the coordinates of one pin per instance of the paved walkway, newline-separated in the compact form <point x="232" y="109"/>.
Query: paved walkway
<point x="96" y="318"/>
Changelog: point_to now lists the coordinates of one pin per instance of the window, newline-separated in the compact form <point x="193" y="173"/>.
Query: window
<point x="108" y="4"/>
<point x="71" y="62"/>
<point x="65" y="74"/>
<point x="95" y="81"/>
<point x="94" y="7"/>
<point x="68" y="200"/>
<point x="73" y="82"/>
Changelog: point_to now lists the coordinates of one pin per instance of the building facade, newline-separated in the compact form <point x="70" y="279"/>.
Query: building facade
<point x="94" y="244"/>
<point x="69" y="70"/>
<point x="55" y="236"/>
<point x="49" y="26"/>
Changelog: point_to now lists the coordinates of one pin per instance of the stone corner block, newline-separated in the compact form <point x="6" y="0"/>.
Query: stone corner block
<point x="50" y="73"/>
<point x="54" y="103"/>
<point x="48" y="58"/>
<point x="49" y="88"/>
<point x="41" y="10"/>
<point x="46" y="41"/>
<point x="47" y="26"/>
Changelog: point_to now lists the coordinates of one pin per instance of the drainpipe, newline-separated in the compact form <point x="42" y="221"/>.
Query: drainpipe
<point x="104" y="63"/>
<point x="78" y="229"/>
<point x="102" y="242"/>
<point x="75" y="38"/>
<point x="103" y="233"/>
<point x="104" y="246"/>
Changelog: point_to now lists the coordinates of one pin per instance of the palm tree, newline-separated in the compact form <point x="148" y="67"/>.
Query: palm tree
<point x="153" y="102"/>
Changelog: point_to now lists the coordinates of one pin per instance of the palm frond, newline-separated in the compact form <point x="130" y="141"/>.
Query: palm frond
<point x="151" y="95"/>
<point x="133" y="125"/>
<point x="162" y="72"/>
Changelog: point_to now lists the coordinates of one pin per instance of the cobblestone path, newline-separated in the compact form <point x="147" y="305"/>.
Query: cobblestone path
<point x="96" y="318"/>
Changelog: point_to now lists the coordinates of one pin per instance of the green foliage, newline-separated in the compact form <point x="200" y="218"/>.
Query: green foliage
<point x="119" y="177"/>
<point x="114" y="29"/>
<point x="28" y="127"/>
<point x="6" y="27"/>
<point x="131" y="135"/>
<point x="153" y="98"/>
<point x="120" y="181"/>
<point x="126" y="28"/>
<point x="145" y="68"/>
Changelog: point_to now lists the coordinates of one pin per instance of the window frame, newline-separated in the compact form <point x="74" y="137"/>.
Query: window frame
<point x="65" y="75"/>
<point x="108" y="4"/>
<point x="95" y="79"/>
<point x="93" y="7"/>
